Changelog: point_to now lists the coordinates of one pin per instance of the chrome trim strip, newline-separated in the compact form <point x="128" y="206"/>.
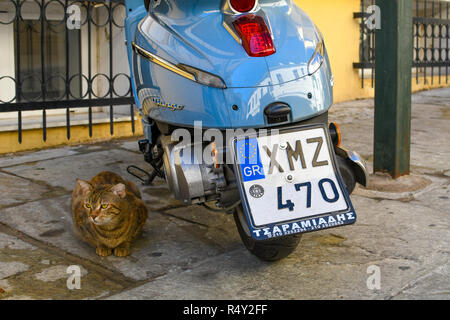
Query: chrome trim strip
<point x="162" y="62"/>
<point x="231" y="32"/>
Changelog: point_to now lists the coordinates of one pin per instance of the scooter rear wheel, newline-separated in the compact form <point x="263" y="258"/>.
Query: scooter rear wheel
<point x="266" y="250"/>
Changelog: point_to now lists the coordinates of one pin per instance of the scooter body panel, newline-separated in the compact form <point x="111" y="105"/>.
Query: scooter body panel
<point x="308" y="97"/>
<point x="135" y="13"/>
<point x="192" y="33"/>
<point x="295" y="38"/>
<point x="251" y="102"/>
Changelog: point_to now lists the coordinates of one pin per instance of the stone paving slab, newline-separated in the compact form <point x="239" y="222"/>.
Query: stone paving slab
<point x="437" y="199"/>
<point x="33" y="156"/>
<point x="331" y="264"/>
<point x="63" y="172"/>
<point x="433" y="283"/>
<point x="199" y="214"/>
<point x="14" y="243"/>
<point x="167" y="243"/>
<point x="28" y="272"/>
<point x="324" y="250"/>
<point x="16" y="190"/>
<point x="8" y="269"/>
<point x="406" y="188"/>
<point x="237" y="275"/>
<point x="432" y="97"/>
<point x="131" y="146"/>
<point x="220" y="227"/>
<point x="158" y="197"/>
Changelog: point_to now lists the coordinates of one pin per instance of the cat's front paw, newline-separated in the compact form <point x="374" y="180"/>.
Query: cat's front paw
<point x="103" y="251"/>
<point x="121" y="252"/>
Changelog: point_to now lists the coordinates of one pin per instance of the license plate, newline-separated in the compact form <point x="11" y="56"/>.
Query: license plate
<point x="289" y="182"/>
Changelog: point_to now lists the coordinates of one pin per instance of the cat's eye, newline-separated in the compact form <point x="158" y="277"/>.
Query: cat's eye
<point x="104" y="206"/>
<point x="87" y="205"/>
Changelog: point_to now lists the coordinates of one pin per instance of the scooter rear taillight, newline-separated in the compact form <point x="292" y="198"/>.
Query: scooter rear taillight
<point x="243" y="5"/>
<point x="255" y="35"/>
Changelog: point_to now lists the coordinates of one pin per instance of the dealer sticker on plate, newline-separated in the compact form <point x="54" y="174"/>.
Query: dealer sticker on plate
<point x="289" y="183"/>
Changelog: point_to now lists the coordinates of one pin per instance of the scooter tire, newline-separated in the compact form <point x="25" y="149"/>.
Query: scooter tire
<point x="266" y="250"/>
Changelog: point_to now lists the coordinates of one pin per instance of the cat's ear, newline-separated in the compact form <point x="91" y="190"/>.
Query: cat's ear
<point x="84" y="185"/>
<point x="119" y="190"/>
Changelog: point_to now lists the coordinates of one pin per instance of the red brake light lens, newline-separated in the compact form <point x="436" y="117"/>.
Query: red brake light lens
<point x="255" y="35"/>
<point x="242" y="5"/>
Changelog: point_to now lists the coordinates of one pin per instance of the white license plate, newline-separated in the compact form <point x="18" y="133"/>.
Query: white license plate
<point x="289" y="183"/>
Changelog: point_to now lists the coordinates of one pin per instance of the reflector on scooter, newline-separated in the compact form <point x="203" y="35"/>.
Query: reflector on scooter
<point x="242" y="5"/>
<point x="255" y="35"/>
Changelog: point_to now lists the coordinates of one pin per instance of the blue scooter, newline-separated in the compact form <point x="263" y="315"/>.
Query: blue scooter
<point x="257" y="69"/>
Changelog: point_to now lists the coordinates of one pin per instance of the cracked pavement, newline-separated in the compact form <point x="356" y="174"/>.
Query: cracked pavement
<point x="192" y="253"/>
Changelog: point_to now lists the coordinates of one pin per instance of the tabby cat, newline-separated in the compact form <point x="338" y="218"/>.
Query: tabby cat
<point x="108" y="213"/>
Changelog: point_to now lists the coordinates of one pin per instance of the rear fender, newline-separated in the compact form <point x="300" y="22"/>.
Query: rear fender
<point x="358" y="164"/>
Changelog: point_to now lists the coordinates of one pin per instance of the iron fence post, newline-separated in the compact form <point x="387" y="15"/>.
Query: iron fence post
<point x="394" y="52"/>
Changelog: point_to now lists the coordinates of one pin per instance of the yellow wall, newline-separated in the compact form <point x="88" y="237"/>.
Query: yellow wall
<point x="32" y="139"/>
<point x="341" y="32"/>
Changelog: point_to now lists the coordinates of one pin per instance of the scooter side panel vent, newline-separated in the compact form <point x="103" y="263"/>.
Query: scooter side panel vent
<point x="255" y="35"/>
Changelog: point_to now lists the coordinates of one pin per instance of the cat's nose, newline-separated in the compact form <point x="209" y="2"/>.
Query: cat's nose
<point x="94" y="216"/>
<point x="95" y="220"/>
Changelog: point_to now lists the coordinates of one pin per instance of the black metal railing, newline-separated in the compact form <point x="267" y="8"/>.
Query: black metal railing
<point x="63" y="54"/>
<point x="431" y="31"/>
